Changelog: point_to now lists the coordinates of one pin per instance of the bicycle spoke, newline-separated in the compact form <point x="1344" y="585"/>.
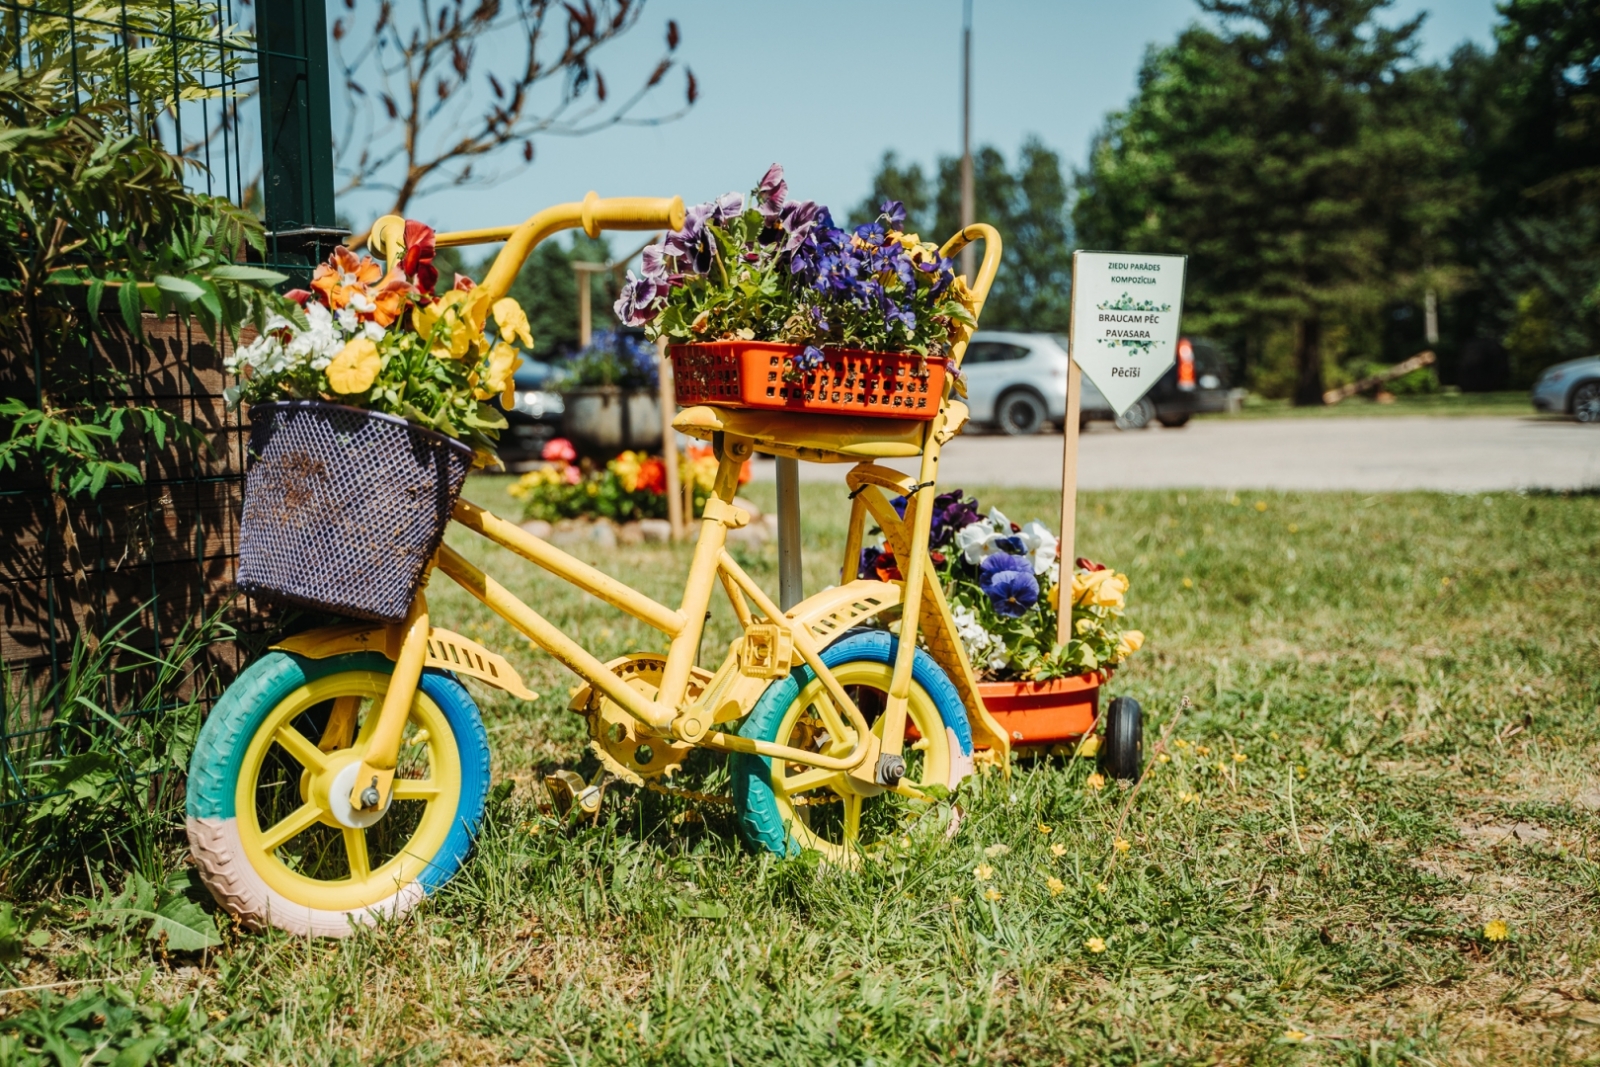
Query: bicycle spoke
<point x="287" y="828"/>
<point x="295" y="743"/>
<point x="416" y="789"/>
<point x="812" y="779"/>
<point x="341" y="724"/>
<point x="355" y="849"/>
<point x="852" y="816"/>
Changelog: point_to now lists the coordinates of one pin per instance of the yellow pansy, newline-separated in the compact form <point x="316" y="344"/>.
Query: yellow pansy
<point x="355" y="368"/>
<point x="461" y="315"/>
<point x="1055" y="597"/>
<point x="1130" y="642"/>
<point x="498" y="379"/>
<point x="1101" y="589"/>
<point x="511" y="322"/>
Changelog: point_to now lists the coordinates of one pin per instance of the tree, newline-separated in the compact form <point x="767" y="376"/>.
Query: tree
<point x="425" y="114"/>
<point x="1301" y="159"/>
<point x="1028" y="207"/>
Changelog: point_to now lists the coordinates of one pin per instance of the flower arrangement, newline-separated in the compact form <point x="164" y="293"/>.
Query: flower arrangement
<point x="1003" y="584"/>
<point x="631" y="486"/>
<point x="613" y="358"/>
<point x="385" y="342"/>
<point x="775" y="269"/>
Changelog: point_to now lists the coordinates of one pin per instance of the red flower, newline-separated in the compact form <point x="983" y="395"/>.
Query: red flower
<point x="1089" y="565"/>
<point x="937" y="557"/>
<point x="885" y="567"/>
<point x="560" y="450"/>
<point x="652" y="476"/>
<point x="417" y="263"/>
<point x="299" y="296"/>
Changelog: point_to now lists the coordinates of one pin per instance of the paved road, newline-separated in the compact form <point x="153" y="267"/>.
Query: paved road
<point x="1462" y="454"/>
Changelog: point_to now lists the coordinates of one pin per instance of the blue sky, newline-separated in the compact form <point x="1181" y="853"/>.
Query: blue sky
<point x="825" y="86"/>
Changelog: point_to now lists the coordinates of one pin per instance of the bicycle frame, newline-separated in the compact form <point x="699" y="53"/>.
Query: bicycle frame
<point x="770" y="639"/>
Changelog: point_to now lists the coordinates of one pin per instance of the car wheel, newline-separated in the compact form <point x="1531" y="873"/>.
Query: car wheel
<point x="1586" y="402"/>
<point x="1020" y="413"/>
<point x="1138" y="416"/>
<point x="1172" y="422"/>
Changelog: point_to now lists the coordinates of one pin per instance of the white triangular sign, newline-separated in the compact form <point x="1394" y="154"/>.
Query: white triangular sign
<point x="1126" y="307"/>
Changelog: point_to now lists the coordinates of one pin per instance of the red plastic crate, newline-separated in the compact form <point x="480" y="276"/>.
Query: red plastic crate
<point x="750" y="374"/>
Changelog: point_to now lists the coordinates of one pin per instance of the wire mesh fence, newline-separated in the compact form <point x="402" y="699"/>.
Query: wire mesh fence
<point x="240" y="93"/>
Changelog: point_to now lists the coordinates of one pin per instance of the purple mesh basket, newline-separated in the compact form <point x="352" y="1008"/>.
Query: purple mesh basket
<point x="343" y="508"/>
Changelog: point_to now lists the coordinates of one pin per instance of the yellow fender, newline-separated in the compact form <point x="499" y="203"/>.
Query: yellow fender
<point x="446" y="650"/>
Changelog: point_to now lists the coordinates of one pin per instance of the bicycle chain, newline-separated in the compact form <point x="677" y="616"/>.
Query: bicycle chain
<point x="727" y="801"/>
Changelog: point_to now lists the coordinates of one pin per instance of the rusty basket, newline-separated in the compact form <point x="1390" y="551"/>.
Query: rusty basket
<point x="343" y="508"/>
<point x="762" y="374"/>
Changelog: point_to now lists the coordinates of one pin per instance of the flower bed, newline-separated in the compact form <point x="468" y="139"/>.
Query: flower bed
<point x="631" y="486"/>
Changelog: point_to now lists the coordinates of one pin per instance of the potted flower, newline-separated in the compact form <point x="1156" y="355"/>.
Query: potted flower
<point x="1003" y="584"/>
<point x="611" y="392"/>
<point x="769" y="304"/>
<point x="368" y="405"/>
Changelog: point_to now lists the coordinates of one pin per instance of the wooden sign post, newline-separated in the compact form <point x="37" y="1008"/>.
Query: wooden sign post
<point x="1123" y="334"/>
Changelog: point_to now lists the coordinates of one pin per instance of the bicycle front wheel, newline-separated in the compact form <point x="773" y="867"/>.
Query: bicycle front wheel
<point x="268" y="815"/>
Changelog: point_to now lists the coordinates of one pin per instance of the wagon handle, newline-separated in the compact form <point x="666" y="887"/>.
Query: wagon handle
<point x="592" y="213"/>
<point x="978" y="231"/>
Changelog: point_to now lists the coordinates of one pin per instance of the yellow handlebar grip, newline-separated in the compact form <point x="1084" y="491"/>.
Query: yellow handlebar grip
<point x="631" y="213"/>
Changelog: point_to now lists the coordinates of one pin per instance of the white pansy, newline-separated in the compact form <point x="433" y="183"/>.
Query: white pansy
<point x="361" y="302"/>
<point x="230" y="396"/>
<point x="348" y="320"/>
<point x="970" y="539"/>
<point x="372" y="330"/>
<point x="1040" y="544"/>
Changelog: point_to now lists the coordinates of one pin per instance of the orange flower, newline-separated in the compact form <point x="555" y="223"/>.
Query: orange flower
<point x="652" y="476"/>
<point x="344" y="275"/>
<point x="389" y="300"/>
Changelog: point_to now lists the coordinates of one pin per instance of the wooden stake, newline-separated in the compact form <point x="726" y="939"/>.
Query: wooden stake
<point x="669" y="440"/>
<point x="1069" y="499"/>
<point x="1069" y="471"/>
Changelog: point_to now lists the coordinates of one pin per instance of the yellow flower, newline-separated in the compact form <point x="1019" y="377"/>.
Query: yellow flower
<point x="1083" y="626"/>
<point x="1296" y="1035"/>
<point x="1058" y="849"/>
<point x="1130" y="642"/>
<point x="1095" y="945"/>
<point x="1180" y="743"/>
<point x="1261" y="505"/>
<point x="1204" y="750"/>
<point x="1100" y="589"/>
<point x="1162" y="757"/>
<point x="460" y="315"/>
<point x="1240" y="757"/>
<point x="1121" y="845"/>
<point x="355" y="368"/>
<point x="1043" y="829"/>
<point x="1102" y="887"/>
<point x="626" y="466"/>
<point x="1495" y="930"/>
<point x="1097" y="781"/>
<point x="511" y="322"/>
<point x="1294" y="527"/>
<point x="1055" y="597"/>
<point x="1055" y="885"/>
<point x="993" y="894"/>
<point x="983" y="872"/>
<point x="1188" y="583"/>
<point x="500" y="379"/>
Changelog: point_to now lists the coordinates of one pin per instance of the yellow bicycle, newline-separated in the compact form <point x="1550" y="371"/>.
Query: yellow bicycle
<point x="343" y="776"/>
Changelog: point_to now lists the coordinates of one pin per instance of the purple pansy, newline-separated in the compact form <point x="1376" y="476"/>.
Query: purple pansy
<point x="637" y="303"/>
<point x="951" y="511"/>
<point x="895" y="213"/>
<point x="772" y="190"/>
<point x="727" y="207"/>
<point x="1009" y="583"/>
<point x="810" y="358"/>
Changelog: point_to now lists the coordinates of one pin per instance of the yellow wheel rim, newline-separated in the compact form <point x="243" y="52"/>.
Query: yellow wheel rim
<point x="288" y="834"/>
<point x="821" y="811"/>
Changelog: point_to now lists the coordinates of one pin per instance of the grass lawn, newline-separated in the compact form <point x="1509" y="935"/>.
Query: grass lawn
<point x="1513" y="402"/>
<point x="1391" y="741"/>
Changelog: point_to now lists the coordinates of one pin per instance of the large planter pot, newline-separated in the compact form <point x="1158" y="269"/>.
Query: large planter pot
<point x="343" y="508"/>
<point x="603" y="420"/>
<point x="1044" y="713"/>
<point x="848" y="381"/>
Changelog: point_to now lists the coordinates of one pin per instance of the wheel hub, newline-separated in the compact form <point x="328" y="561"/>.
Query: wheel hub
<point x="331" y="791"/>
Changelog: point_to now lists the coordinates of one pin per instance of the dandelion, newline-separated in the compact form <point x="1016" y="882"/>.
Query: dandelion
<point x="1204" y="750"/>
<point x="1296" y="1035"/>
<point x="983" y="872"/>
<point x="1240" y="757"/>
<point x="1495" y="930"/>
<point x="1261" y="505"/>
<point x="1294" y="527"/>
<point x="1095" y="945"/>
<point x="1444" y="581"/>
<point x="1058" y="849"/>
<point x="1055" y="885"/>
<point x="1043" y="829"/>
<point x="1188" y="583"/>
<point x="993" y="894"/>
<point x="1163" y="758"/>
<point x="996" y="850"/>
<point x="1097" y="781"/>
<point x="1180" y="743"/>
<point x="1121" y="844"/>
<point x="1102" y="887"/>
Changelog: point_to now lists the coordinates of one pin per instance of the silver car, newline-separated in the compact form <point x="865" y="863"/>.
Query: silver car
<point x="1570" y="388"/>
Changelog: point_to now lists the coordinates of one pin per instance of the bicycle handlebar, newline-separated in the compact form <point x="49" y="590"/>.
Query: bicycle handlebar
<point x="593" y="214"/>
<point x="979" y="288"/>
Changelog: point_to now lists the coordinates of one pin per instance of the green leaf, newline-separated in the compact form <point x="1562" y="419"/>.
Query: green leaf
<point x="128" y="300"/>
<point x="238" y="272"/>
<point x="186" y="924"/>
<point x="182" y="288"/>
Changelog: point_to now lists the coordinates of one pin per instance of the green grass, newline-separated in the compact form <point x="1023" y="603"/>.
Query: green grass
<point x="1514" y="402"/>
<point x="1409" y="678"/>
